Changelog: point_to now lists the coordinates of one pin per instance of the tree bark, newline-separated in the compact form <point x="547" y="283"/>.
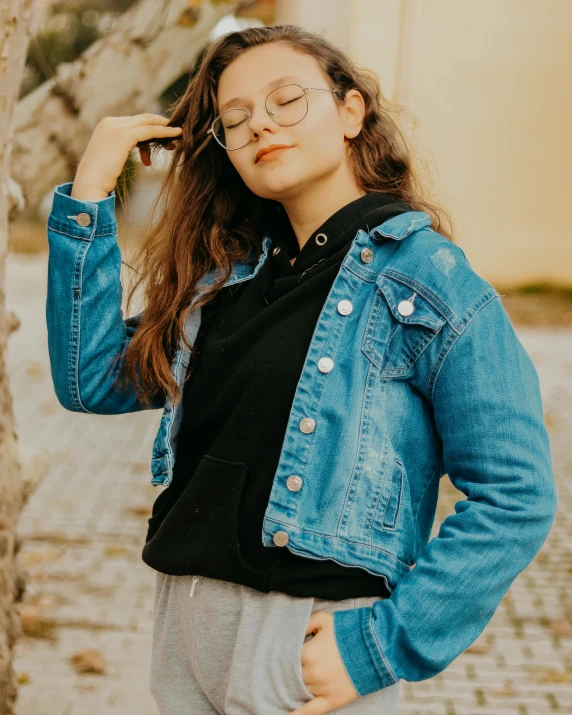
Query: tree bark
<point x="151" y="45"/>
<point x="16" y="26"/>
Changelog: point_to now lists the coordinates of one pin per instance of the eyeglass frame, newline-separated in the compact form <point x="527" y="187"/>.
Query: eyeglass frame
<point x="249" y="113"/>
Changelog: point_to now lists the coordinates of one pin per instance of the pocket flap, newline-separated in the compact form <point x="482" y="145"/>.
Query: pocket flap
<point x="407" y="305"/>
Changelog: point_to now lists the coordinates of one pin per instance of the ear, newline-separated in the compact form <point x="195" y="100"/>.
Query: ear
<point x="353" y="113"/>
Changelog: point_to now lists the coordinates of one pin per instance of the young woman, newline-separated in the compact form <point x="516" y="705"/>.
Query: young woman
<point x="323" y="354"/>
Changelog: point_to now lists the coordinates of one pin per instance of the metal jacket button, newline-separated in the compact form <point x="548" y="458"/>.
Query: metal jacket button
<point x="294" y="483"/>
<point x="325" y="364"/>
<point x="345" y="307"/>
<point x="83" y="219"/>
<point x="280" y="538"/>
<point x="366" y="255"/>
<point x="276" y="251"/>
<point x="307" y="425"/>
<point x="405" y="307"/>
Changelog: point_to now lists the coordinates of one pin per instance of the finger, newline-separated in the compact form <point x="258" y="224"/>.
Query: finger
<point x="154" y="131"/>
<point x="147" y="118"/>
<point x="317" y="621"/>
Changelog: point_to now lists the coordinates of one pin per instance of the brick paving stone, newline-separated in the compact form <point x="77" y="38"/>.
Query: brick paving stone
<point x="83" y="539"/>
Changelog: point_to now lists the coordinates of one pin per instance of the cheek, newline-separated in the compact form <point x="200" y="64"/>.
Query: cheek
<point x="319" y="153"/>
<point x="321" y="124"/>
<point x="324" y="147"/>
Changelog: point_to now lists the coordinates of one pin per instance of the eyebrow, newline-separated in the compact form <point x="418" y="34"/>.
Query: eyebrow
<point x="274" y="82"/>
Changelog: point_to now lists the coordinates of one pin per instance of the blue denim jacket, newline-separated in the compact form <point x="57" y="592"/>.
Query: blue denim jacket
<point x="429" y="378"/>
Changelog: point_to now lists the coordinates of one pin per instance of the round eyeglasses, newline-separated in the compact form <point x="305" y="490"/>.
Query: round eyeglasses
<point x="286" y="105"/>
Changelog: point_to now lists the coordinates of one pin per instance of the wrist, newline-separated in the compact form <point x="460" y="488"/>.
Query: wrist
<point x="86" y="191"/>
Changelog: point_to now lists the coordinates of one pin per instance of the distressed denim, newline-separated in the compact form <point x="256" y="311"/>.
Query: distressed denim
<point x="429" y="379"/>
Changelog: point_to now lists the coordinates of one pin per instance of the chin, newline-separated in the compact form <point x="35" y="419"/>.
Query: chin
<point x="279" y="184"/>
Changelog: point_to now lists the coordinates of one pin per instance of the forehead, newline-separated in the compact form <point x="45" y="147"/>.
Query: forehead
<point x="257" y="68"/>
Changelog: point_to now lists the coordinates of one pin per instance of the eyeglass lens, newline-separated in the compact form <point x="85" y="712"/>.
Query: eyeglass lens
<point x="286" y="105"/>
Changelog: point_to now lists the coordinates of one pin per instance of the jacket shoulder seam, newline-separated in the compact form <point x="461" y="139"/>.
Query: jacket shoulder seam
<point x="457" y="319"/>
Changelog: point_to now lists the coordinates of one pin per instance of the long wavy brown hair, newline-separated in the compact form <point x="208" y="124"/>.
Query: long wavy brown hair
<point x="209" y="218"/>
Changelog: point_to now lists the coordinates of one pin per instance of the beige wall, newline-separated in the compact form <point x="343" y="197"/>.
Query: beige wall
<point x="491" y="85"/>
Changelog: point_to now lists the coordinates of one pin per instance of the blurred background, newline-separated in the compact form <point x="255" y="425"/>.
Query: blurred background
<point x="488" y="90"/>
<point x="489" y="110"/>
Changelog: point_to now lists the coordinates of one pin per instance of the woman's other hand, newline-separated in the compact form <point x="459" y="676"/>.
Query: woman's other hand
<point x="323" y="670"/>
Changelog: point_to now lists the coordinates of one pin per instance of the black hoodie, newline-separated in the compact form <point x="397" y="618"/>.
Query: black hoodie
<point x="252" y="342"/>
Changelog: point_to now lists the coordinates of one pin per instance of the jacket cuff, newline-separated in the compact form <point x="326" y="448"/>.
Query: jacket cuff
<point x="359" y="651"/>
<point x="97" y="217"/>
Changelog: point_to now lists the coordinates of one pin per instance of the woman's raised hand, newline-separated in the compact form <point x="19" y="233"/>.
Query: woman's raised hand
<point x="109" y="147"/>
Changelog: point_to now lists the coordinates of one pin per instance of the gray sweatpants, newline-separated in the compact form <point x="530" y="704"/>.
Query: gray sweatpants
<point x="219" y="647"/>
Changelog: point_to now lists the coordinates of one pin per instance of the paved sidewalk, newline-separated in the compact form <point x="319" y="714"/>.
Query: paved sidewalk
<point x="85" y="526"/>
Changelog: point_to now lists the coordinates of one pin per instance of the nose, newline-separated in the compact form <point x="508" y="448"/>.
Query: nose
<point x="260" y="121"/>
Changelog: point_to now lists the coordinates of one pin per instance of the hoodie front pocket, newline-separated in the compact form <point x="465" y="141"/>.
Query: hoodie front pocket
<point x="199" y="531"/>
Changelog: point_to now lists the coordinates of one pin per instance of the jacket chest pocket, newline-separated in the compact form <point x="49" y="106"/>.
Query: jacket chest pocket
<point x="401" y="324"/>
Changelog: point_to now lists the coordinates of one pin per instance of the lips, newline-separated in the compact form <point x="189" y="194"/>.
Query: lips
<point x="270" y="149"/>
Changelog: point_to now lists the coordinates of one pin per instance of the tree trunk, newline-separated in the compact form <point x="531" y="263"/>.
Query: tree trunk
<point x="151" y="45"/>
<point x="16" y="26"/>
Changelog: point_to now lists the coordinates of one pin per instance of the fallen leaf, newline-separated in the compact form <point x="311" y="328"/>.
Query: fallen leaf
<point x="139" y="468"/>
<point x="35" y="624"/>
<point x="551" y="675"/>
<point x="140" y="509"/>
<point x="38" y="556"/>
<point x="88" y="661"/>
<point x="478" y="648"/>
<point x="116" y="550"/>
<point x="35" y="370"/>
<point x="561" y="628"/>
<point x="43" y="600"/>
<point x="507" y="691"/>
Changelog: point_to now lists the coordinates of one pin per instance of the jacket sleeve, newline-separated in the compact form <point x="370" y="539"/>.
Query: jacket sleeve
<point x="85" y="323"/>
<point x="496" y="450"/>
